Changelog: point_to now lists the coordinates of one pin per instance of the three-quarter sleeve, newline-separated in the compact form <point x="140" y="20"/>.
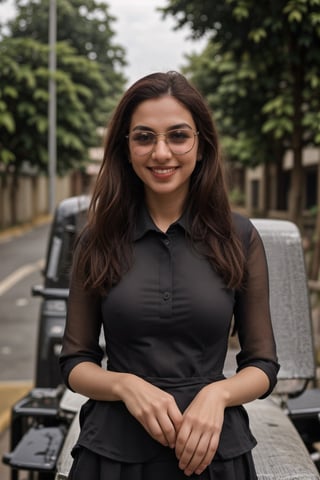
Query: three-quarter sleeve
<point x="252" y="314"/>
<point x="83" y="325"/>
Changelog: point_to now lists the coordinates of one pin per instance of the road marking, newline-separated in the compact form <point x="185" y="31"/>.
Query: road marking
<point x="19" y="274"/>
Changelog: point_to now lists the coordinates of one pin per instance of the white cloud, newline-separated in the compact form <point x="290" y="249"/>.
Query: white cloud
<point x="150" y="42"/>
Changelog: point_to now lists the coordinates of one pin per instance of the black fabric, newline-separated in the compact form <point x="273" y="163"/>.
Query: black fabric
<point x="108" y="429"/>
<point x="168" y="321"/>
<point x="88" y="465"/>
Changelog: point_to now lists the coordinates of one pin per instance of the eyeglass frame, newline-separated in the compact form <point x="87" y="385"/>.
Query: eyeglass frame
<point x="194" y="132"/>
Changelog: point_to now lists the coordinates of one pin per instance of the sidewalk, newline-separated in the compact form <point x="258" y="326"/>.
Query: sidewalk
<point x="10" y="392"/>
<point x="4" y="448"/>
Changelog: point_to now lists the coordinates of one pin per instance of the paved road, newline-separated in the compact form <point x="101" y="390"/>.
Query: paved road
<point x="21" y="259"/>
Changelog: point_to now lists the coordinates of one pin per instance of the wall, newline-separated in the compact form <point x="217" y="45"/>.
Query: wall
<point x="30" y="198"/>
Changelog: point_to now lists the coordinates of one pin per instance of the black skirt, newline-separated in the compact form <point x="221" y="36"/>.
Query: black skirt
<point x="88" y="465"/>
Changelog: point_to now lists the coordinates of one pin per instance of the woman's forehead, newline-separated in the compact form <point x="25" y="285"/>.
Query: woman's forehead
<point x="162" y="112"/>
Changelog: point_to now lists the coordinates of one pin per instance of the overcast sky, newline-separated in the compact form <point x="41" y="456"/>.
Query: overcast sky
<point x="150" y="43"/>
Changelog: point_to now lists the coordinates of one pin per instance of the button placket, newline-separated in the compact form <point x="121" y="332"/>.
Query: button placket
<point x="166" y="279"/>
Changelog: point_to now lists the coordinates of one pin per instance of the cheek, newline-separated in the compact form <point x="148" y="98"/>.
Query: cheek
<point x="194" y="160"/>
<point x="136" y="165"/>
<point x="131" y="158"/>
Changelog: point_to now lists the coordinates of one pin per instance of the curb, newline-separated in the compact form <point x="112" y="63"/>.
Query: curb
<point x="10" y="393"/>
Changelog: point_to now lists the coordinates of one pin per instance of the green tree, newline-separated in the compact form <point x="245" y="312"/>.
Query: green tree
<point x="233" y="94"/>
<point x="88" y="81"/>
<point x="24" y="104"/>
<point x="236" y="99"/>
<point x="84" y="25"/>
<point x="266" y="57"/>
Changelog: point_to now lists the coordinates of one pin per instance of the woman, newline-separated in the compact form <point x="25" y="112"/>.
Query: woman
<point x="163" y="266"/>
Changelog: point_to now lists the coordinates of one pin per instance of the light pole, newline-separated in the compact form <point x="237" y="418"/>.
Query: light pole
<point x="52" y="107"/>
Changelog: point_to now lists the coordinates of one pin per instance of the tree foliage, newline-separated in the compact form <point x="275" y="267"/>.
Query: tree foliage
<point x="235" y="98"/>
<point x="24" y="104"/>
<point x="262" y="74"/>
<point x="86" y="26"/>
<point x="88" y="82"/>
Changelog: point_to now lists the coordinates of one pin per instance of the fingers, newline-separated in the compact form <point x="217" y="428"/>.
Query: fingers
<point x="170" y="423"/>
<point x="199" y="434"/>
<point x="197" y="453"/>
<point x="196" y="444"/>
<point x="163" y="432"/>
<point x="156" y="410"/>
<point x="164" y="426"/>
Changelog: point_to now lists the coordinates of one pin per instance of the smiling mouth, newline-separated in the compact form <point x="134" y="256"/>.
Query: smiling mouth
<point x="163" y="171"/>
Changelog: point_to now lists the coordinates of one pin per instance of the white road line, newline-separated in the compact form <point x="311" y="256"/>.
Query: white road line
<point x="19" y="274"/>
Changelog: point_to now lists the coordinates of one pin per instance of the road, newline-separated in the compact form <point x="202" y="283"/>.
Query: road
<point x="21" y="258"/>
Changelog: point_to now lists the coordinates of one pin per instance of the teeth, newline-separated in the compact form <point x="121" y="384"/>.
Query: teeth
<point x="163" y="170"/>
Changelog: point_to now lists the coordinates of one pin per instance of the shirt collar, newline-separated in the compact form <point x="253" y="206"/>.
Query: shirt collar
<point x="145" y="223"/>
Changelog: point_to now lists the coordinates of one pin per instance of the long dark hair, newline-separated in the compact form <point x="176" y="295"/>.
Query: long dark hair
<point x="106" y="246"/>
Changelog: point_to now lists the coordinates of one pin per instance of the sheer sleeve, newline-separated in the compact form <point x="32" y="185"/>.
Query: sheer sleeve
<point x="83" y="325"/>
<point x="252" y="314"/>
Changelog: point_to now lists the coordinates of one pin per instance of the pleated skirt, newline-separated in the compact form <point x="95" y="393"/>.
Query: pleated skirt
<point x="90" y="466"/>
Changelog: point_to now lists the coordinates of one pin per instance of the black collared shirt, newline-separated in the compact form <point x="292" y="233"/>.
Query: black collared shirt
<point x="168" y="321"/>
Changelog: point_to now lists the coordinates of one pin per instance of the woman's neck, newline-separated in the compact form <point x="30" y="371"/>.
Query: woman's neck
<point x="164" y="210"/>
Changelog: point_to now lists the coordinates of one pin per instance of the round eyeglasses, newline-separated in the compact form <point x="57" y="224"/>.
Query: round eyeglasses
<point x="180" y="140"/>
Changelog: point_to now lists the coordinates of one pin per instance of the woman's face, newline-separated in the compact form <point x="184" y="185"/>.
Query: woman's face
<point x="163" y="163"/>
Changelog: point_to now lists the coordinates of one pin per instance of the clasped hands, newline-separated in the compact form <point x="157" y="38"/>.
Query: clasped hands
<point x="193" y="434"/>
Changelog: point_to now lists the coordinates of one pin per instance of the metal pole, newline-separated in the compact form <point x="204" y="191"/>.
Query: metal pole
<point x="52" y="107"/>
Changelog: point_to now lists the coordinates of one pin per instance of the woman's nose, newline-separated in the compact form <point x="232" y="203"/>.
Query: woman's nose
<point x="161" y="149"/>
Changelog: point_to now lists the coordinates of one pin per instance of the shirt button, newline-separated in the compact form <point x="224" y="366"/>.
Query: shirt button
<point x="167" y="241"/>
<point x="166" y="296"/>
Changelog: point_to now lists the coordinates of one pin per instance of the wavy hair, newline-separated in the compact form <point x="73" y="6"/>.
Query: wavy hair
<point x="106" y="248"/>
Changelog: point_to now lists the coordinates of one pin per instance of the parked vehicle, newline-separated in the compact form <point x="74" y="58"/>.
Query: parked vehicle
<point x="68" y="220"/>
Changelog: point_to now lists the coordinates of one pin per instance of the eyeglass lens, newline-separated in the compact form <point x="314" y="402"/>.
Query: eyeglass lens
<point x="179" y="141"/>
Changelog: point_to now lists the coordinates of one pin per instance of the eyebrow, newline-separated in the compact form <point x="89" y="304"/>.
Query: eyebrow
<point x="172" y="127"/>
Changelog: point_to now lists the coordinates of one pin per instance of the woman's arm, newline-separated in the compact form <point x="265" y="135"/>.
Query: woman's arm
<point x="155" y="409"/>
<point x="199" y="435"/>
